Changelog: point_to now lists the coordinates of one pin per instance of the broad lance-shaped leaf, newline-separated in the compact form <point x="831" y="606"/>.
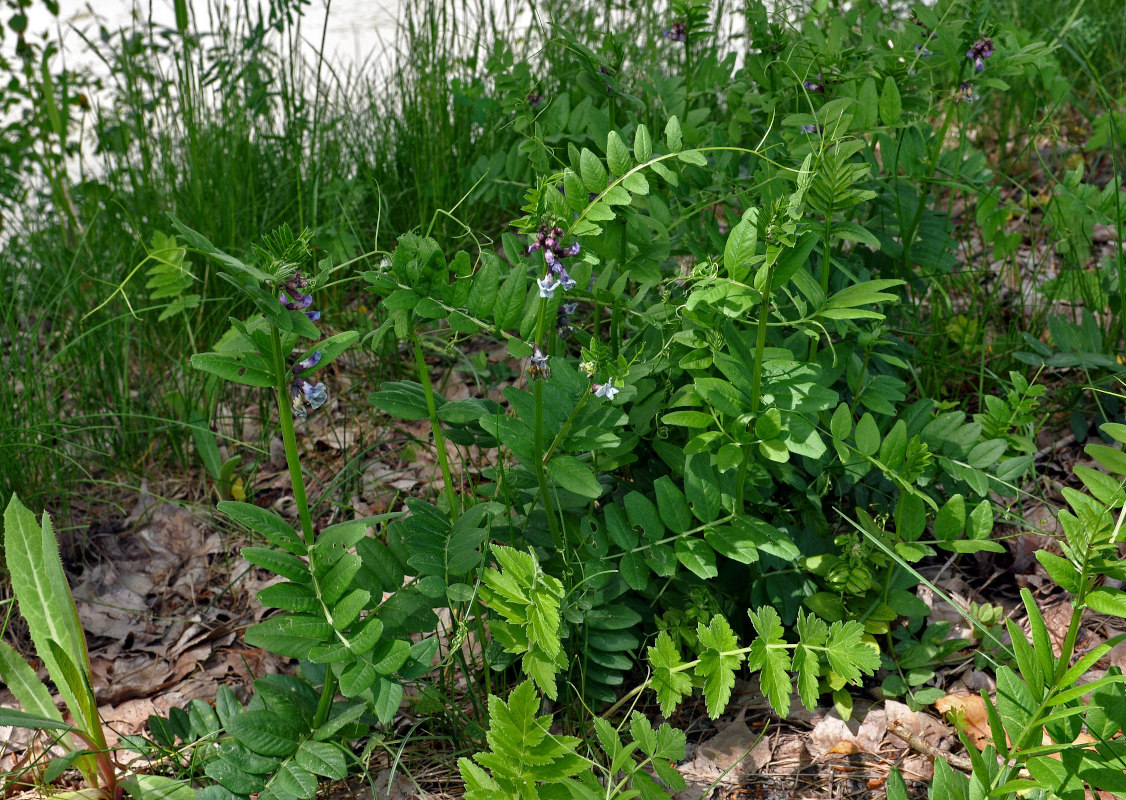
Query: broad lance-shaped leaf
<point x="718" y="661"/>
<point x="45" y="601"/>
<point x="330" y="349"/>
<point x="199" y="242"/>
<point x="248" y="370"/>
<point x="26" y="686"/>
<point x="617" y="155"/>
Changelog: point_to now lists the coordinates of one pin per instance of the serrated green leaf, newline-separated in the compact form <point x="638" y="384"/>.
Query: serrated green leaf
<point x="717" y="663"/>
<point x="670" y="682"/>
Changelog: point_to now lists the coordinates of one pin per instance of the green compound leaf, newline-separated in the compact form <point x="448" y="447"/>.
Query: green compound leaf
<point x="522" y="750"/>
<point x="671" y="685"/>
<point x="848" y="655"/>
<point x="718" y="663"/>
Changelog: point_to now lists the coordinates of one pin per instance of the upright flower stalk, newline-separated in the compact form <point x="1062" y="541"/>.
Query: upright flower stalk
<point x="292" y="395"/>
<point x="550" y="241"/>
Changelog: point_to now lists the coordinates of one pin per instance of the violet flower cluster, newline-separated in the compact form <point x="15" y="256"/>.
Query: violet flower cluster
<point x="817" y="86"/>
<point x="981" y="50"/>
<point x="302" y="391"/>
<point x="678" y="32"/>
<point x="550" y="241"/>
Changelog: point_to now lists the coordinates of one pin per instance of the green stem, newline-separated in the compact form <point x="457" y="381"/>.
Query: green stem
<point x="564" y="428"/>
<point x="435" y="425"/>
<point x="541" y="472"/>
<point x="826" y="269"/>
<point x="756" y="382"/>
<point x="289" y="439"/>
<point x="328" y="692"/>
<point x="541" y="459"/>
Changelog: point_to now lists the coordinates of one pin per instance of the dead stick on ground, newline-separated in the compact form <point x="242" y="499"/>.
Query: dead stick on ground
<point x="915" y="743"/>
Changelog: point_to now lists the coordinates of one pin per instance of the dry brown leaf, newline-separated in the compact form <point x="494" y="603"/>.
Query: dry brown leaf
<point x="736" y="744"/>
<point x="970" y="708"/>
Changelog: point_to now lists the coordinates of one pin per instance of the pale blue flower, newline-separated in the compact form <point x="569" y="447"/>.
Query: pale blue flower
<point x="548" y="285"/>
<point x="606" y="390"/>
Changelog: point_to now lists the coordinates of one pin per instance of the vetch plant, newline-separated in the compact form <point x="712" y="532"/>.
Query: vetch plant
<point x="332" y="613"/>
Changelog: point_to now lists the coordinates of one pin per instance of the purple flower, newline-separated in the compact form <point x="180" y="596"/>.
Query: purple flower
<point x="315" y="395"/>
<point x="565" y="280"/>
<point x="534" y="99"/>
<point x="308" y="363"/>
<point x="811" y="129"/>
<point x="550" y="240"/>
<point x="814" y="86"/>
<point x="313" y="315"/>
<point x="299" y="301"/>
<point x="981" y="50"/>
<point x="922" y="51"/>
<point x="678" y="32"/>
